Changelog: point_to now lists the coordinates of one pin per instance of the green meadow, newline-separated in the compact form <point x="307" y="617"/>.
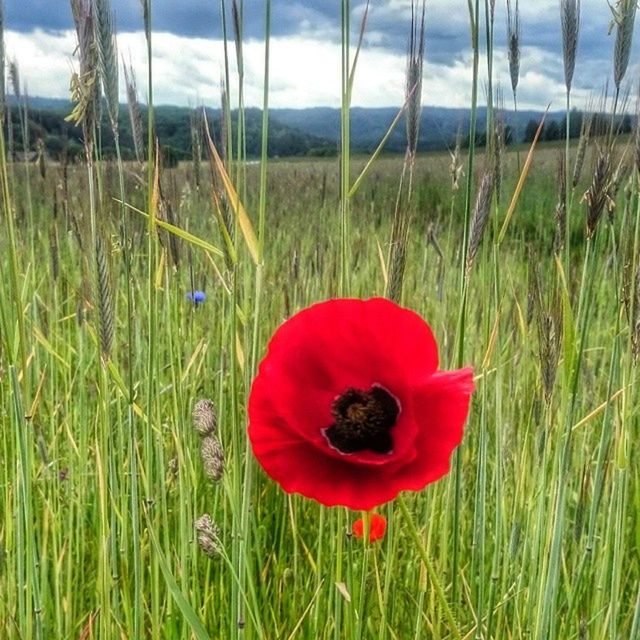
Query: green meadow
<point x="523" y="272"/>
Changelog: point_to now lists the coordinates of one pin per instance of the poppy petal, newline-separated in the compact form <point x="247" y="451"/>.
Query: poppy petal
<point x="328" y="349"/>
<point x="338" y="344"/>
<point x="442" y="405"/>
<point x="377" y="527"/>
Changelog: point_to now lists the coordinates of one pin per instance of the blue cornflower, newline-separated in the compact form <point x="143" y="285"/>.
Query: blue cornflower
<point x="197" y="297"/>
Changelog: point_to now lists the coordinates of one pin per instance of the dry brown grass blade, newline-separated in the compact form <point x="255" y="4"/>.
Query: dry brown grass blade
<point x="236" y="205"/>
<point x="380" y="147"/>
<point x="231" y="254"/>
<point x="383" y="264"/>
<point x="87" y="631"/>
<point x="522" y="179"/>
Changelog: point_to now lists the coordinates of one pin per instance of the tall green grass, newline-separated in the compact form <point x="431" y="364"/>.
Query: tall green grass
<point x="533" y="534"/>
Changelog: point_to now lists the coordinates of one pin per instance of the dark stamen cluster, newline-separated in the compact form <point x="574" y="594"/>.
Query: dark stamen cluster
<point x="363" y="420"/>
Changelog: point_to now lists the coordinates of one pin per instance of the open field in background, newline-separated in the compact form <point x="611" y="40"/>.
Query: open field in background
<point x="118" y="523"/>
<point x="67" y="457"/>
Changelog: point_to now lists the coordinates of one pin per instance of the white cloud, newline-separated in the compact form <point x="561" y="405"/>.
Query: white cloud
<point x="44" y="60"/>
<point x="305" y="71"/>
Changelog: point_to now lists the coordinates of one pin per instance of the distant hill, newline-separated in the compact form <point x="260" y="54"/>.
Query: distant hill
<point x="292" y="132"/>
<point x="438" y="127"/>
<point x="173" y="127"/>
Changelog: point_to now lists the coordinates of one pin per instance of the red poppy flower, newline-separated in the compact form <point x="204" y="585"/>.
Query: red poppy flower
<point x="377" y="527"/>
<point x="349" y="407"/>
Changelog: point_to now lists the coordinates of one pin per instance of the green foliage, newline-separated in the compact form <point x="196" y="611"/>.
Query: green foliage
<point x="555" y="128"/>
<point x="172" y="126"/>
<point x="78" y="460"/>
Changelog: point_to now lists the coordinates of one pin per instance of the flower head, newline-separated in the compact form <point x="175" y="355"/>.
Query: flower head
<point x="208" y="535"/>
<point x="349" y="407"/>
<point x="197" y="297"/>
<point x="205" y="421"/>
<point x="377" y="527"/>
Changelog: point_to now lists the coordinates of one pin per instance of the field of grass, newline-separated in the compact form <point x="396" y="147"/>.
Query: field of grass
<point x="533" y="534"/>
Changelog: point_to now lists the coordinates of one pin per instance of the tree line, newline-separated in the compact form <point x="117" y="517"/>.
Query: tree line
<point x="556" y="129"/>
<point x="48" y="131"/>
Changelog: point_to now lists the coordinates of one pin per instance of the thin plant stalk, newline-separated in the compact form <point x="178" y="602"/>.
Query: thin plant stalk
<point x="570" y="27"/>
<point x="345" y="172"/>
<point x="474" y="16"/>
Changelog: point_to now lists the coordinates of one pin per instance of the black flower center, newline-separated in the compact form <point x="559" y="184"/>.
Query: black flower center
<point x="363" y="420"/>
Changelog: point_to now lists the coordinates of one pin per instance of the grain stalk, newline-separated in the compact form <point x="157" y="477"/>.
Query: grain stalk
<point x="624" y="16"/>
<point x="513" y="53"/>
<point x="474" y="17"/>
<point x="570" y="27"/>
<point x="583" y="142"/>
<point x="92" y="29"/>
<point x="108" y="59"/>
<point x="413" y="100"/>
<point x="22" y="106"/>
<point x="247" y="495"/>
<point x="153" y="454"/>
<point x="135" y="116"/>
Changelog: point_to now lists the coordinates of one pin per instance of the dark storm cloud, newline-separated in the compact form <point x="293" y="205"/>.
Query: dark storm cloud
<point x="196" y="18"/>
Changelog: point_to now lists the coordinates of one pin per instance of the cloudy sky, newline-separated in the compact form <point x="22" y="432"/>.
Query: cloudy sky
<point x="305" y="51"/>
